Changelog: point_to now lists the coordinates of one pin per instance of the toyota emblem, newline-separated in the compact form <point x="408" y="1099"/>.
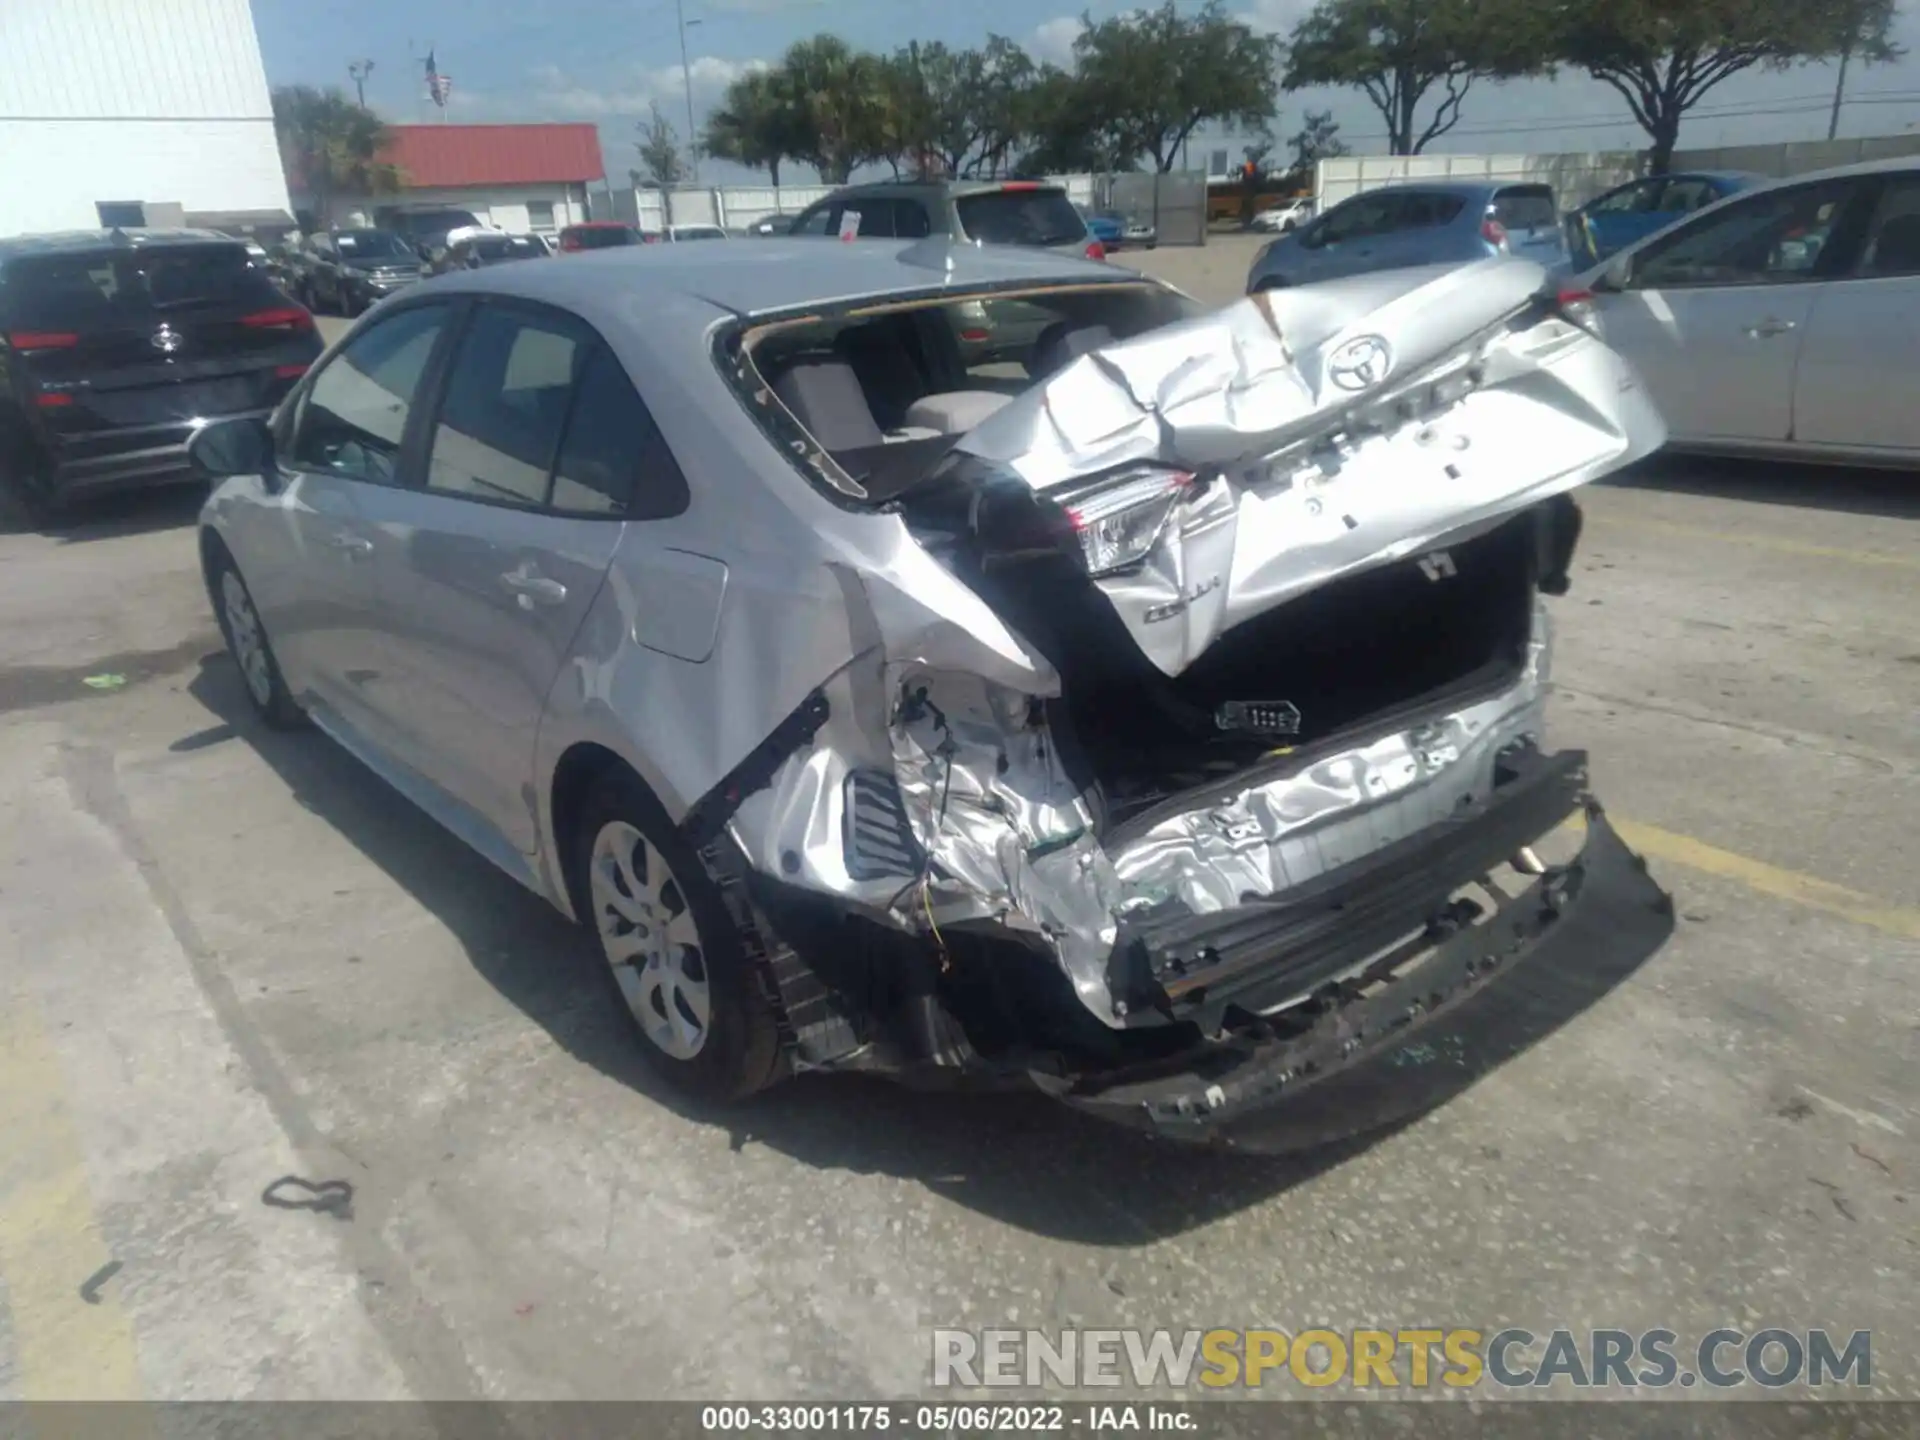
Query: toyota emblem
<point x="167" y="340"/>
<point x="1361" y="363"/>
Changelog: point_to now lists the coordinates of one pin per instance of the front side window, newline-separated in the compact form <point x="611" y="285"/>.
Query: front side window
<point x="355" y="415"/>
<point x="1362" y="215"/>
<point x="1638" y="198"/>
<point x="1766" y="239"/>
<point x="1683" y="197"/>
<point x="817" y="221"/>
<point x="505" y="406"/>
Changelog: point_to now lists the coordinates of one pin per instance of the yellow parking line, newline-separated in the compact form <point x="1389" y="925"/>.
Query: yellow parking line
<point x="65" y="1348"/>
<point x="1763" y="542"/>
<point x="1789" y="885"/>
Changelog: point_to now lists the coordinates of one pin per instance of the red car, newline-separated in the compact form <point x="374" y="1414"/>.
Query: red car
<point x="601" y="235"/>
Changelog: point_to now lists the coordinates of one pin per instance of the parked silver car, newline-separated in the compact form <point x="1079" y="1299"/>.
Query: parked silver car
<point x="1153" y="719"/>
<point x="1782" y="321"/>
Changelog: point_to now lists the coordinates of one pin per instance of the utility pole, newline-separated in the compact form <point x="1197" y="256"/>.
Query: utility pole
<point x="1840" y="89"/>
<point x="686" y="76"/>
<point x="359" y="70"/>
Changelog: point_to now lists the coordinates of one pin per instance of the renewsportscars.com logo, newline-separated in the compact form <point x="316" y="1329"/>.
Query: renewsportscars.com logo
<point x="1416" y="1359"/>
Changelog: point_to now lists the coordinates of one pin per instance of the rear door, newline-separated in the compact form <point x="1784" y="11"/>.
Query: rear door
<point x="154" y="335"/>
<point x="490" y="566"/>
<point x="1714" y="311"/>
<point x="1854" y="386"/>
<point x="1531" y="219"/>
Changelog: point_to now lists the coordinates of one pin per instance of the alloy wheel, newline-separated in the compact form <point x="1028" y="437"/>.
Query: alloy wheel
<point x="650" y="939"/>
<point x="243" y="633"/>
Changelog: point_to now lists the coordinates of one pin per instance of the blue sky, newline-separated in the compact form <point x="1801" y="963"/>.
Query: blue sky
<point x="604" y="60"/>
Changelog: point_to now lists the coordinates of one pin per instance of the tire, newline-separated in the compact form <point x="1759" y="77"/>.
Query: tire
<point x="252" y="652"/>
<point x="685" y="981"/>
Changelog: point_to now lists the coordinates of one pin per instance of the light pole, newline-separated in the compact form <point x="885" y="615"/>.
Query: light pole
<point x="359" y="70"/>
<point x="686" y="77"/>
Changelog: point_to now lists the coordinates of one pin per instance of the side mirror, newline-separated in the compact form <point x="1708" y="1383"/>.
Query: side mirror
<point x="231" y="447"/>
<point x="1617" y="274"/>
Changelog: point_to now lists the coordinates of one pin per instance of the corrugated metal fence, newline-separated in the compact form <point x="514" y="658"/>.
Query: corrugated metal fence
<point x="1577" y="177"/>
<point x="1175" y="204"/>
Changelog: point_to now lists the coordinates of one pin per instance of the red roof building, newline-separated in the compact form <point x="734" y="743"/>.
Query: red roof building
<point x="451" y="157"/>
<point x="516" y="178"/>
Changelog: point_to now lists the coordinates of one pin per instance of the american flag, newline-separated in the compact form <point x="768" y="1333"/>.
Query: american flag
<point x="438" y="86"/>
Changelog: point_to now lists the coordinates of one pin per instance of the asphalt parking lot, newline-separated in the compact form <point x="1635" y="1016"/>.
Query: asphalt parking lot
<point x="233" y="957"/>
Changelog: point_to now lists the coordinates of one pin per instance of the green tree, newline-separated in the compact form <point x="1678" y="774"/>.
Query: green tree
<point x="1064" y="134"/>
<point x="757" y="124"/>
<point x="663" y="164"/>
<point x="330" y="146"/>
<point x="1317" y="139"/>
<point x="839" y="95"/>
<point x="1664" y="56"/>
<point x="1149" y="78"/>
<point x="1400" y="52"/>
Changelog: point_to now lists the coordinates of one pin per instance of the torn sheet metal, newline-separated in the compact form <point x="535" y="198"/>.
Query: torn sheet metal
<point x="1330" y="429"/>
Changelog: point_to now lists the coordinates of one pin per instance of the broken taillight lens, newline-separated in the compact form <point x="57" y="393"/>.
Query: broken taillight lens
<point x="1119" y="518"/>
<point x="1578" y="307"/>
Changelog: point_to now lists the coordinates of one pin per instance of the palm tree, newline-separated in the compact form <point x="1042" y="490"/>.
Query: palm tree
<point x="838" y="91"/>
<point x="331" y="145"/>
<point x="757" y="125"/>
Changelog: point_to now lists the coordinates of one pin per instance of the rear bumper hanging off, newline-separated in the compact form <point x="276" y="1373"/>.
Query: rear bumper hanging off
<point x="1479" y="997"/>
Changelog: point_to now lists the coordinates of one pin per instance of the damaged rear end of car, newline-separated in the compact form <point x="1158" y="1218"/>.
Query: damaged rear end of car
<point x="1200" y="777"/>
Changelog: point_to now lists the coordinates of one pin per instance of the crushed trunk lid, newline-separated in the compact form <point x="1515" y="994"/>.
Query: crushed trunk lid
<point x="1216" y="468"/>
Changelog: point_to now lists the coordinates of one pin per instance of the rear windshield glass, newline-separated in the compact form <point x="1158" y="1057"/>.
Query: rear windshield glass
<point x="105" y="288"/>
<point x="1526" y="207"/>
<point x="886" y="395"/>
<point x="373" y="245"/>
<point x="1021" y="217"/>
<point x="603" y="239"/>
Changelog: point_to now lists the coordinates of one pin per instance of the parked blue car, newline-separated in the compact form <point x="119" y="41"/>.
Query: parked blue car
<point x="1107" y="229"/>
<point x="1417" y="223"/>
<point x="1633" y="211"/>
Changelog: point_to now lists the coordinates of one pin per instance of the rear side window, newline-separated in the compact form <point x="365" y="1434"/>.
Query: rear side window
<point x="614" y="460"/>
<point x="355" y="416"/>
<point x="910" y="220"/>
<point x="1021" y="217"/>
<point x="1683" y="196"/>
<point x="102" y="289"/>
<point x="1526" y="207"/>
<point x="1419" y="210"/>
<point x="506" y="404"/>
<point x="1893" y="238"/>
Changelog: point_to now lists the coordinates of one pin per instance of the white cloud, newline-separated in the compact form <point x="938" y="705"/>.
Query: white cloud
<point x="1053" y="40"/>
<point x="635" y="89"/>
<point x="1275" y="17"/>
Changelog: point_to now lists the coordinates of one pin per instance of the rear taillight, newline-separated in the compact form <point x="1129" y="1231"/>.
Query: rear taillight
<point x="289" y="372"/>
<point x="1494" y="233"/>
<point x="42" y="340"/>
<point x="52" y="399"/>
<point x="1095" y="250"/>
<point x="1118" y="519"/>
<point x="569" y="243"/>
<point x="1578" y="307"/>
<point x="290" y="317"/>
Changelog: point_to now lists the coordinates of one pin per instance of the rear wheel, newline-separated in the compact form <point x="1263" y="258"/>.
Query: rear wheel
<point x="671" y="947"/>
<point x="251" y="650"/>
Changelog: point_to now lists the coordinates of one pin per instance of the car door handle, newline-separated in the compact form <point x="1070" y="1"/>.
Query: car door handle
<point x="350" y="545"/>
<point x="1769" y="328"/>
<point x="531" y="589"/>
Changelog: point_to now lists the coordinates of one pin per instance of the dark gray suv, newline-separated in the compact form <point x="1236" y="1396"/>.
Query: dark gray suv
<point x="994" y="212"/>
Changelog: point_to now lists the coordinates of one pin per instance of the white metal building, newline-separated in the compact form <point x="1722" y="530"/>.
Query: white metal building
<point x="134" y="111"/>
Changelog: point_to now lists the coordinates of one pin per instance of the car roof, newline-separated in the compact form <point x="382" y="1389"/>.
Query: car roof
<point x="811" y="272"/>
<point x="955" y="188"/>
<point x="599" y="225"/>
<point x="66" y="242"/>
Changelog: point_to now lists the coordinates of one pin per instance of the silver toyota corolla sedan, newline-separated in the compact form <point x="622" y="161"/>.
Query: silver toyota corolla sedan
<point x="1153" y="716"/>
<point x="1784" y="321"/>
